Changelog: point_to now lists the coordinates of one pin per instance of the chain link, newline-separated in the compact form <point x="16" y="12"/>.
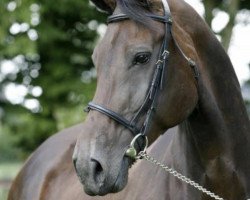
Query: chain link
<point x="145" y="156"/>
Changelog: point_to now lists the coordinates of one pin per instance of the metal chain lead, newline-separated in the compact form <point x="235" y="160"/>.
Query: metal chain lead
<point x="145" y="156"/>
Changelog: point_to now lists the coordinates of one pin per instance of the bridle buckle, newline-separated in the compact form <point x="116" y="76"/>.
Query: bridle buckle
<point x="165" y="54"/>
<point x="158" y="62"/>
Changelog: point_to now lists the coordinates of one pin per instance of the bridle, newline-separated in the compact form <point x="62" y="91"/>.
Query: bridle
<point x="149" y="103"/>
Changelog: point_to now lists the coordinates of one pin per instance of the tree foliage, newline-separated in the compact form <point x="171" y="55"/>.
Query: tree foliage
<point x="231" y="7"/>
<point x="50" y="45"/>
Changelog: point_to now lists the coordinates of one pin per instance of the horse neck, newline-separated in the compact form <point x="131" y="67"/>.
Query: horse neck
<point x="220" y="119"/>
<point x="216" y="135"/>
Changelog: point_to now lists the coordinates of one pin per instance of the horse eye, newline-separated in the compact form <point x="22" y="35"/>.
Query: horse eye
<point x="142" y="58"/>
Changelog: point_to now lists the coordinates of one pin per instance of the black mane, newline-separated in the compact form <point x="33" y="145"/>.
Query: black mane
<point x="136" y="10"/>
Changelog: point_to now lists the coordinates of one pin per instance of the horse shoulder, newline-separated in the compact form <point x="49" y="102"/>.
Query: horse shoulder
<point x="41" y="168"/>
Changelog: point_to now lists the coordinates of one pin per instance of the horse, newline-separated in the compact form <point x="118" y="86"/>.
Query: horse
<point x="158" y="65"/>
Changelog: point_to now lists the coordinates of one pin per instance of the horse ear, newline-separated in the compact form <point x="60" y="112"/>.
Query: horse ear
<point x="102" y="5"/>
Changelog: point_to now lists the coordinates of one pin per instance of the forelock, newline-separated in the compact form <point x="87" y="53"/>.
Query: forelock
<point x="137" y="10"/>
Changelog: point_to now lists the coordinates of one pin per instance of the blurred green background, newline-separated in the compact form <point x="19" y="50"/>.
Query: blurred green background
<point x="46" y="72"/>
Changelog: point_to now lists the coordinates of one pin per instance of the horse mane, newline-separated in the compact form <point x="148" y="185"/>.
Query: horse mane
<point x="134" y="9"/>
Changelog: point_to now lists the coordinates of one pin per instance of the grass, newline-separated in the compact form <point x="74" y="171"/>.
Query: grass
<point x="8" y="171"/>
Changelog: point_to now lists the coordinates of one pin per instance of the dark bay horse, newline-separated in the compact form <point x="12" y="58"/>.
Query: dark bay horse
<point x="211" y="145"/>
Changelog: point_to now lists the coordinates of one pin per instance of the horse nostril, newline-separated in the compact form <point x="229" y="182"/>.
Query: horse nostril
<point x="74" y="157"/>
<point x="74" y="162"/>
<point x="98" y="172"/>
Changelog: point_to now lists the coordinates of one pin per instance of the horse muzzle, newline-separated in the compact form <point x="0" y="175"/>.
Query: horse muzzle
<point x="100" y="175"/>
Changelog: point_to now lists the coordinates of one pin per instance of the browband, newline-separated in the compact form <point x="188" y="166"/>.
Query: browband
<point x="122" y="17"/>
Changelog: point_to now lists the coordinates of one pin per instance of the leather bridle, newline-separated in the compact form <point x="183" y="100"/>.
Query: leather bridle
<point x="148" y="105"/>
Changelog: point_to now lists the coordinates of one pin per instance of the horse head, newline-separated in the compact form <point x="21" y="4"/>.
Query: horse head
<point x="127" y="60"/>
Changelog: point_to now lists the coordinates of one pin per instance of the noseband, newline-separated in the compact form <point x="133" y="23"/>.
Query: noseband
<point x="148" y="106"/>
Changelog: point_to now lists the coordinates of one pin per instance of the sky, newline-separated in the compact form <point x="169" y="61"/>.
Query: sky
<point x="239" y="50"/>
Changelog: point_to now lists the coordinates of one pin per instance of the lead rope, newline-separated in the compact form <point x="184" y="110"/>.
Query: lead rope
<point x="145" y="156"/>
<point x="132" y="153"/>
